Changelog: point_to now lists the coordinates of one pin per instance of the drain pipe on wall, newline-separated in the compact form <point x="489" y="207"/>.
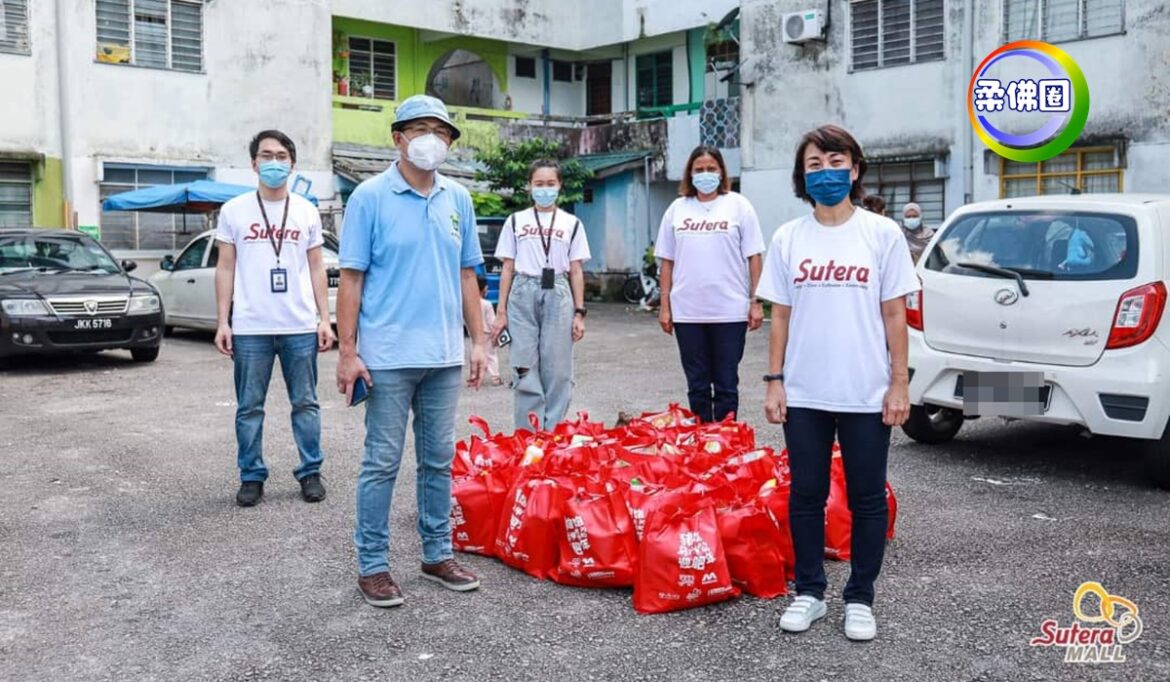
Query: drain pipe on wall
<point x="63" y="118"/>
<point x="968" y="134"/>
<point x="649" y="215"/>
<point x="547" y="83"/>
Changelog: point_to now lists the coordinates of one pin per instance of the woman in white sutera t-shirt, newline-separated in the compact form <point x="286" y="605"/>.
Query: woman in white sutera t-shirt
<point x="838" y="278"/>
<point x="542" y="298"/>
<point x="710" y="246"/>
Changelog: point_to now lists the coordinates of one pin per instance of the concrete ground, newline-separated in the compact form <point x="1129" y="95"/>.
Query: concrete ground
<point x="123" y="556"/>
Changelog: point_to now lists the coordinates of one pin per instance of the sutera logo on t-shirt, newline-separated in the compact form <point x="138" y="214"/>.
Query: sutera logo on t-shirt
<point x="529" y="231"/>
<point x="257" y="232"/>
<point x="703" y="226"/>
<point x="831" y="274"/>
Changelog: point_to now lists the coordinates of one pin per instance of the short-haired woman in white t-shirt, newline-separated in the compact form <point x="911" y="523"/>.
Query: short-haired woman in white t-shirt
<point x="838" y="278"/>
<point x="542" y="298"/>
<point x="710" y="246"/>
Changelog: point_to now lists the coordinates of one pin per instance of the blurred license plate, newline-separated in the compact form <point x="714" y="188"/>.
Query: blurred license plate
<point x="1005" y="394"/>
<point x="100" y="323"/>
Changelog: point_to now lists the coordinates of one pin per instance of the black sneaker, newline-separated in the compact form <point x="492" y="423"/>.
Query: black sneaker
<point x="250" y="493"/>
<point x="312" y="490"/>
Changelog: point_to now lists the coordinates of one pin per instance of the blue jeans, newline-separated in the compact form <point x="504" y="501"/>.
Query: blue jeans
<point x="710" y="354"/>
<point x="865" y="446"/>
<point x="432" y="395"/>
<point x="253" y="357"/>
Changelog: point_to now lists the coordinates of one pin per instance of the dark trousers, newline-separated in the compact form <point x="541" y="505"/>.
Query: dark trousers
<point x="865" y="445"/>
<point x="710" y="358"/>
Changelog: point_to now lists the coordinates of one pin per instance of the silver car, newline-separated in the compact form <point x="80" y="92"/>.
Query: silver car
<point x="187" y="283"/>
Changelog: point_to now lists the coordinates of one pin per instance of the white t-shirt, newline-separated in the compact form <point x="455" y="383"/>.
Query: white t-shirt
<point x="256" y="309"/>
<point x="835" y="280"/>
<point x="520" y="240"/>
<point x="710" y="243"/>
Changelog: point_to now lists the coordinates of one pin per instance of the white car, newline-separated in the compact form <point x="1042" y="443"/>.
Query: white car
<point x="187" y="283"/>
<point x="1047" y="309"/>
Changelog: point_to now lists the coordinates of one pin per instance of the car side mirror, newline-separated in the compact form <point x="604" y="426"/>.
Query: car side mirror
<point x="129" y="265"/>
<point x="168" y="263"/>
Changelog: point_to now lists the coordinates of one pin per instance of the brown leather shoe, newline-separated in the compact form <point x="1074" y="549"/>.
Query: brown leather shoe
<point x="379" y="590"/>
<point x="451" y="575"/>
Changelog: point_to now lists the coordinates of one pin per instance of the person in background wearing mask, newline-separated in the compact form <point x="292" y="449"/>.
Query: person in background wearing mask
<point x="542" y="296"/>
<point x="917" y="234"/>
<point x="710" y="246"/>
<point x="409" y="249"/>
<point x="272" y="299"/>
<point x="838" y="366"/>
<point x="874" y="203"/>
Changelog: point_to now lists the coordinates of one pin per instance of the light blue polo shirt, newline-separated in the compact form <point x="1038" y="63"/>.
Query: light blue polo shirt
<point x="411" y="248"/>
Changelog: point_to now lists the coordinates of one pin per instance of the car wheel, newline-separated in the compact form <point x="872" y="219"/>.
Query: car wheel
<point x="932" y="424"/>
<point x="1158" y="460"/>
<point x="144" y="354"/>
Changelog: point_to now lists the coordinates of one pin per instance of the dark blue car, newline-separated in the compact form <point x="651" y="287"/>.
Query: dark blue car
<point x="489" y="236"/>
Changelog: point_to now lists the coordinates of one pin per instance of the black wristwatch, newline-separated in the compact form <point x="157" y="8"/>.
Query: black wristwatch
<point x="774" y="377"/>
<point x="581" y="311"/>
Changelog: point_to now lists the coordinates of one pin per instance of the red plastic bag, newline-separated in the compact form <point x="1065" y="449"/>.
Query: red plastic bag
<point x="752" y="542"/>
<point x="529" y="523"/>
<point x="597" y="543"/>
<point x="476" y="504"/>
<point x="838" y="518"/>
<point x="774" y="496"/>
<point x="681" y="563"/>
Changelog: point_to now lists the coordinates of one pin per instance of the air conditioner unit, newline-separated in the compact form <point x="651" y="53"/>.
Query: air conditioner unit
<point x="801" y="27"/>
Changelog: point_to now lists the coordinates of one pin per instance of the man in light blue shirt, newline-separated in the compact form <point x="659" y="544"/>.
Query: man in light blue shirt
<point x="409" y="249"/>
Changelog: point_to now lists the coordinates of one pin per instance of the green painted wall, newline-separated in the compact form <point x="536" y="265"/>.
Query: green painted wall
<point x="49" y="194"/>
<point x="697" y="60"/>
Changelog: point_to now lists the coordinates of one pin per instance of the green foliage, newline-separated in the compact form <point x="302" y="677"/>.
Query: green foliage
<point x="507" y="172"/>
<point x="488" y="205"/>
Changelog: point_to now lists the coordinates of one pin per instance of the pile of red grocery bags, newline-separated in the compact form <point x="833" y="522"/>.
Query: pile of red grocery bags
<point x="687" y="514"/>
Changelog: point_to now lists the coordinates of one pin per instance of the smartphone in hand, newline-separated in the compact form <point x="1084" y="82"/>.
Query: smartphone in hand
<point x="361" y="391"/>
<point x="504" y="339"/>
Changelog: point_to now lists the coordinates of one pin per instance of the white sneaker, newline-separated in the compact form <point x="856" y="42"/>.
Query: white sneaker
<point x="801" y="613"/>
<point x="860" y="625"/>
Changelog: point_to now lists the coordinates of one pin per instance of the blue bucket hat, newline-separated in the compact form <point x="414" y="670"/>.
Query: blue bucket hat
<point x="422" y="106"/>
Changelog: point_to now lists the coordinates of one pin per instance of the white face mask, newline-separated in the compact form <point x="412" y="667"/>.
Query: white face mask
<point x="427" y="152"/>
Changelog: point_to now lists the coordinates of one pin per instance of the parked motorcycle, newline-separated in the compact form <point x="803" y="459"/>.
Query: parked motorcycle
<point x="642" y="288"/>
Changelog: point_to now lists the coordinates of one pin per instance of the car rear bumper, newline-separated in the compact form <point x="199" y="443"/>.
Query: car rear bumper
<point x="37" y="335"/>
<point x="1123" y="394"/>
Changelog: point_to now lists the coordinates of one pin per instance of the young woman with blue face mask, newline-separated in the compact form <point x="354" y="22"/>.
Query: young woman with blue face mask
<point x="710" y="246"/>
<point x="837" y="278"/>
<point x="542" y="298"/>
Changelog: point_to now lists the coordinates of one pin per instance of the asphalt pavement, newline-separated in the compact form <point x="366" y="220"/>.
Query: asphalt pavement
<point x="124" y="557"/>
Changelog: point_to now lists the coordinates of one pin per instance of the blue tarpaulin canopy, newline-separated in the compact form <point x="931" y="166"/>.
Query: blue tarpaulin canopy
<point x="201" y="196"/>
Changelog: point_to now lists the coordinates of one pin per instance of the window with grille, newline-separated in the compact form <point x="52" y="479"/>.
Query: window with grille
<point x="372" y="65"/>
<point x="16" y="194"/>
<point x="894" y="32"/>
<point x="562" y="72"/>
<point x="14" y="26"/>
<point x="162" y="34"/>
<point x="1086" y="169"/>
<point x="1057" y="21"/>
<point x="900" y="182"/>
<point x="655" y="79"/>
<point x="137" y="231"/>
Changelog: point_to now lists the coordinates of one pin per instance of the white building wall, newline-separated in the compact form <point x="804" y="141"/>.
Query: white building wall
<point x="921" y="108"/>
<point x="252" y="81"/>
<point x="28" y="108"/>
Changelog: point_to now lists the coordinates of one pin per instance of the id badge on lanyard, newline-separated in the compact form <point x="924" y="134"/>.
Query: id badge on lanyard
<point x="278" y="276"/>
<point x="548" y="276"/>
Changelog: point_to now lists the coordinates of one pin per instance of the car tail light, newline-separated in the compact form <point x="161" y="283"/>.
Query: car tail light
<point x="1138" y="313"/>
<point x="914" y="310"/>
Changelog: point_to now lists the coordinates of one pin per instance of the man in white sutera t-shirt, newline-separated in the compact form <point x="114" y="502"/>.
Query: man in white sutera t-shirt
<point x="272" y="300"/>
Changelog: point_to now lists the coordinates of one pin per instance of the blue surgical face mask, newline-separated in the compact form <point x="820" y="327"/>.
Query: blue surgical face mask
<point x="828" y="186"/>
<point x="706" y="182"/>
<point x="912" y="223"/>
<point x="545" y="196"/>
<point x="274" y="174"/>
